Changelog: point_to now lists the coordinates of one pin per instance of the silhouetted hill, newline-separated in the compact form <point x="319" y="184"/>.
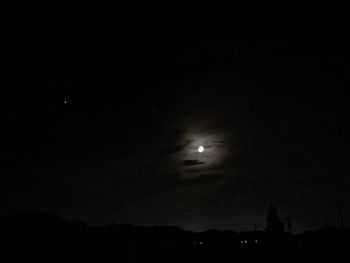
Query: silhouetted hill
<point x="37" y="235"/>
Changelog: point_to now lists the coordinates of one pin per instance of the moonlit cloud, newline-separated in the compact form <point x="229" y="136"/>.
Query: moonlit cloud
<point x="214" y="152"/>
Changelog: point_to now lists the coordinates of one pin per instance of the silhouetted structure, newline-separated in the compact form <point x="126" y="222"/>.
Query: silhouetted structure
<point x="274" y="223"/>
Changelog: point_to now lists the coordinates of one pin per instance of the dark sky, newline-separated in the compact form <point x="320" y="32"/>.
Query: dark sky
<point x="103" y="109"/>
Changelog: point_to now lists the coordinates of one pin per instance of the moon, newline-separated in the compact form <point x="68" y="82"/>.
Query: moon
<point x="200" y="149"/>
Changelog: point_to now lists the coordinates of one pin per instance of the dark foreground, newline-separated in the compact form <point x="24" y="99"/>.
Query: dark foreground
<point x="45" y="237"/>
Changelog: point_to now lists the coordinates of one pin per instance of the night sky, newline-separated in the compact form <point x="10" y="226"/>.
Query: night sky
<point x="103" y="110"/>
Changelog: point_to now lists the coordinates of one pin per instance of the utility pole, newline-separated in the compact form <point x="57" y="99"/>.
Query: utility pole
<point x="289" y="224"/>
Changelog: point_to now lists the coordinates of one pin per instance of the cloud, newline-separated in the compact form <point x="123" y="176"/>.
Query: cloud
<point x="171" y="149"/>
<point x="192" y="162"/>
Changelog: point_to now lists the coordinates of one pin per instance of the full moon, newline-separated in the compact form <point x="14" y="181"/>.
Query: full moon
<point x="200" y="149"/>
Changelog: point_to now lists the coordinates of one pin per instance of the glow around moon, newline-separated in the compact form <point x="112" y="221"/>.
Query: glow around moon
<point x="200" y="149"/>
<point x="204" y="149"/>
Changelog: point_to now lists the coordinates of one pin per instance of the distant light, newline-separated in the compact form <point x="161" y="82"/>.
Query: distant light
<point x="245" y="241"/>
<point x="256" y="241"/>
<point x="200" y="149"/>
<point x="65" y="101"/>
<point x="200" y="243"/>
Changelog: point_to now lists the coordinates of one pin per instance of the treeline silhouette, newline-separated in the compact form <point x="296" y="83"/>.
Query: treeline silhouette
<point x="45" y="236"/>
